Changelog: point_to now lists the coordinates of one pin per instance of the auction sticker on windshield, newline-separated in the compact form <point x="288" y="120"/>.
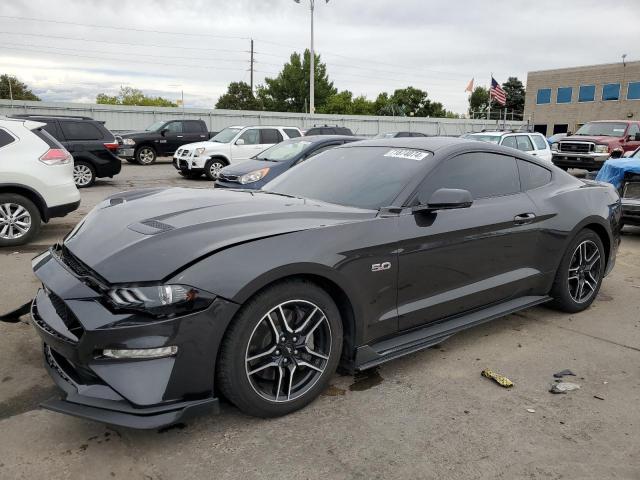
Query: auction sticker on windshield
<point x="406" y="153"/>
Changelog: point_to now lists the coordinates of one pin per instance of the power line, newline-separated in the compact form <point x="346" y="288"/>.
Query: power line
<point x="31" y="19"/>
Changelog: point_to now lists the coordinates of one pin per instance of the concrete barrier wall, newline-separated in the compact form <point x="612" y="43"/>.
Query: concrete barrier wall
<point x="120" y="118"/>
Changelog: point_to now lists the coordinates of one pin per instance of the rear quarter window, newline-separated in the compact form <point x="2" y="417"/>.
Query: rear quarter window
<point x="532" y="175"/>
<point x="80" y="131"/>
<point x="46" y="137"/>
<point x="5" y="138"/>
<point x="292" y="132"/>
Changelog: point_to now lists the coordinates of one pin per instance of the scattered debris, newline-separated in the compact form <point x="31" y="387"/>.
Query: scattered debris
<point x="14" y="316"/>
<point x="598" y="397"/>
<point x="499" y="379"/>
<point x="563" y="387"/>
<point x="564" y="373"/>
<point x="605" y="382"/>
<point x="531" y="410"/>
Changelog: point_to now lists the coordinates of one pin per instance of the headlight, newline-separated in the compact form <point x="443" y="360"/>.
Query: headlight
<point x="199" y="151"/>
<point x="554" y="147"/>
<point x="254" y="176"/>
<point x="128" y="141"/>
<point x="160" y="300"/>
<point x="602" y="149"/>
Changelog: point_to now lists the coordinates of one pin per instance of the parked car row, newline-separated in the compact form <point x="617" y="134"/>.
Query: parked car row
<point x="529" y="142"/>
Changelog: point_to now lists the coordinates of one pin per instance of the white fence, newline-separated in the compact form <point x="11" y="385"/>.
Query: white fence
<point x="126" y="118"/>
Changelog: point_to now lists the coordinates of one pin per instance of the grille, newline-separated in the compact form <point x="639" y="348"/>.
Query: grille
<point x="632" y="190"/>
<point x="185" y="153"/>
<point x="66" y="315"/>
<point x="576" y="147"/>
<point x="228" y="178"/>
<point x="44" y="326"/>
<point x="179" y="152"/>
<point x="73" y="263"/>
<point x="183" y="164"/>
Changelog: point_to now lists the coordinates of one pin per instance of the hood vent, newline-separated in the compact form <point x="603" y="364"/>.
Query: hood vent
<point x="150" y="227"/>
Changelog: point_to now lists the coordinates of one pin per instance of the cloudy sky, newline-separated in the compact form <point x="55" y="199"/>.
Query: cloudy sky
<point x="70" y="50"/>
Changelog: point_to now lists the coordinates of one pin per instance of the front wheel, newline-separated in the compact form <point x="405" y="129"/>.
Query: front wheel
<point x="19" y="220"/>
<point x="580" y="274"/>
<point x="281" y="350"/>
<point x="145" y="155"/>
<point x="212" y="168"/>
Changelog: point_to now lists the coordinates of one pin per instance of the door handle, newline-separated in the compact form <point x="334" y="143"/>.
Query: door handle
<point x="534" y="153"/>
<point x="524" y="218"/>
<point x="180" y="136"/>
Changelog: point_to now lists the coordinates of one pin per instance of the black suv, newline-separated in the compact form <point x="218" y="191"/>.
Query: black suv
<point x="93" y="146"/>
<point x="328" y="130"/>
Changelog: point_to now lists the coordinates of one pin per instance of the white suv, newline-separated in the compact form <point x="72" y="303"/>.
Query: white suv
<point x="231" y="145"/>
<point x="532" y="143"/>
<point x="36" y="180"/>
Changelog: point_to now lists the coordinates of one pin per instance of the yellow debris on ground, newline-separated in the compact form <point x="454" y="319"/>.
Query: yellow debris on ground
<point x="496" y="377"/>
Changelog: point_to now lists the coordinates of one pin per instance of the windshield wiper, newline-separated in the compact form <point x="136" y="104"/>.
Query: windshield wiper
<point x="268" y="192"/>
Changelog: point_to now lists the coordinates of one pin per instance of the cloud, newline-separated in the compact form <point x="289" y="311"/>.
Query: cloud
<point x="369" y="45"/>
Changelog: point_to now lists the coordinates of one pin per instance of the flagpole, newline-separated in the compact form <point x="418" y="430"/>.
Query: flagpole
<point x="489" y="107"/>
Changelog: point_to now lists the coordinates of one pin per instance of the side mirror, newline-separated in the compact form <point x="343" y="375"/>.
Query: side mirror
<point x="164" y="131"/>
<point x="446" y="199"/>
<point x="569" y="134"/>
<point x="240" y="141"/>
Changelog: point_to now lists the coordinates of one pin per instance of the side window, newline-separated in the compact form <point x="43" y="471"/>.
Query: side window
<point x="5" y="138"/>
<point x="532" y="175"/>
<point x="270" y="135"/>
<point x="509" y="142"/>
<point x="540" y="142"/>
<point x="292" y="132"/>
<point x="80" y="131"/>
<point x="633" y="130"/>
<point x="524" y="143"/>
<point x="319" y="150"/>
<point x="174" y="127"/>
<point x="251" y="137"/>
<point x="192" y="126"/>
<point x="481" y="173"/>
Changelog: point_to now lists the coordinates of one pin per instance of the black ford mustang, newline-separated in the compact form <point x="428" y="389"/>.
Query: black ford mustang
<point x="161" y="300"/>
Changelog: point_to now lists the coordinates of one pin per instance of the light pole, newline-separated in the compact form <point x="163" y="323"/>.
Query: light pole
<point x="312" y="59"/>
<point x="182" y="95"/>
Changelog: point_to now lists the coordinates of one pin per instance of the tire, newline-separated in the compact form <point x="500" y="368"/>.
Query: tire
<point x="145" y="155"/>
<point x="251" y="343"/>
<point x="84" y="174"/>
<point x="131" y="160"/>
<point x="189" y="175"/>
<point x="213" y="167"/>
<point x="17" y="213"/>
<point x="580" y="273"/>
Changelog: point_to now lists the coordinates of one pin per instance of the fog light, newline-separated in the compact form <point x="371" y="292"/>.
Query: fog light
<point x="140" y="352"/>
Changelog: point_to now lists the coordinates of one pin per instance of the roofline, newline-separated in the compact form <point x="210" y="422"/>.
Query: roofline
<point x="585" y="67"/>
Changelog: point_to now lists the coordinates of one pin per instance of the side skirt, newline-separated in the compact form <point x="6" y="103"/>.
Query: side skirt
<point x="369" y="356"/>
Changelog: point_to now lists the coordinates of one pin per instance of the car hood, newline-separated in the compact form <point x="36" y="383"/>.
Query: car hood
<point x="149" y="235"/>
<point x="208" y="146"/>
<point x="587" y="138"/>
<point x="251" y="165"/>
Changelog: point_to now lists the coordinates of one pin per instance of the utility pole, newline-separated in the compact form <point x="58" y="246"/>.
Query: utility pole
<point x="312" y="58"/>
<point x="10" y="92"/>
<point x="251" y="68"/>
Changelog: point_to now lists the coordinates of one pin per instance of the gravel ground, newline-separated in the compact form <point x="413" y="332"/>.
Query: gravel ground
<point x="428" y="415"/>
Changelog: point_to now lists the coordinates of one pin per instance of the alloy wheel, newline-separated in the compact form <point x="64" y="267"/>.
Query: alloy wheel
<point x="288" y="351"/>
<point x="584" y="271"/>
<point x="146" y="155"/>
<point x="15" y="221"/>
<point x="82" y="175"/>
<point x="215" y="168"/>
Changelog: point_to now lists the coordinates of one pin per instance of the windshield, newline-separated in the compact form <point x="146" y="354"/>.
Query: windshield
<point x="363" y="177"/>
<point x="155" y="126"/>
<point x="226" y="135"/>
<point x="605" y="129"/>
<point x="636" y="154"/>
<point x="386" y="135"/>
<point x="284" y="150"/>
<point x="485" y="138"/>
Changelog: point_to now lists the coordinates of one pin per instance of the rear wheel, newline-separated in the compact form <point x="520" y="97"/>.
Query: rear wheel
<point x="145" y="155"/>
<point x="281" y="350"/>
<point x="84" y="175"/>
<point x="212" y="168"/>
<point x="19" y="220"/>
<point x="580" y="274"/>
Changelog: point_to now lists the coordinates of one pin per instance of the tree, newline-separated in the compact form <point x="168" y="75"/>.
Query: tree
<point x="408" y="101"/>
<point x="340" y="103"/>
<point x="478" y="100"/>
<point x="239" y="97"/>
<point x="361" y="106"/>
<point x="18" y="91"/>
<point x="133" y="96"/>
<point x="515" y="94"/>
<point x="289" y="91"/>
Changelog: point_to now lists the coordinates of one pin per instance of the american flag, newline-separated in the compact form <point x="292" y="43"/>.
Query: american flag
<point x="497" y="93"/>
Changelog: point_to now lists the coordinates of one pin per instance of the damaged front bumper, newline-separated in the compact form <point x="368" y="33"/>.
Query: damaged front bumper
<point x="76" y="326"/>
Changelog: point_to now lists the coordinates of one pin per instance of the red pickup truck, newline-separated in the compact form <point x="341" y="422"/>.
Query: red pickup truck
<point x="592" y="144"/>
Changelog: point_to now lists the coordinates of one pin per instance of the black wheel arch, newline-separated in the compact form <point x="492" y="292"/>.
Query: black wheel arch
<point x="29" y="193"/>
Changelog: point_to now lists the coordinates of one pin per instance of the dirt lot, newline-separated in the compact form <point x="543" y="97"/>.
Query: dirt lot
<point x="429" y="415"/>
